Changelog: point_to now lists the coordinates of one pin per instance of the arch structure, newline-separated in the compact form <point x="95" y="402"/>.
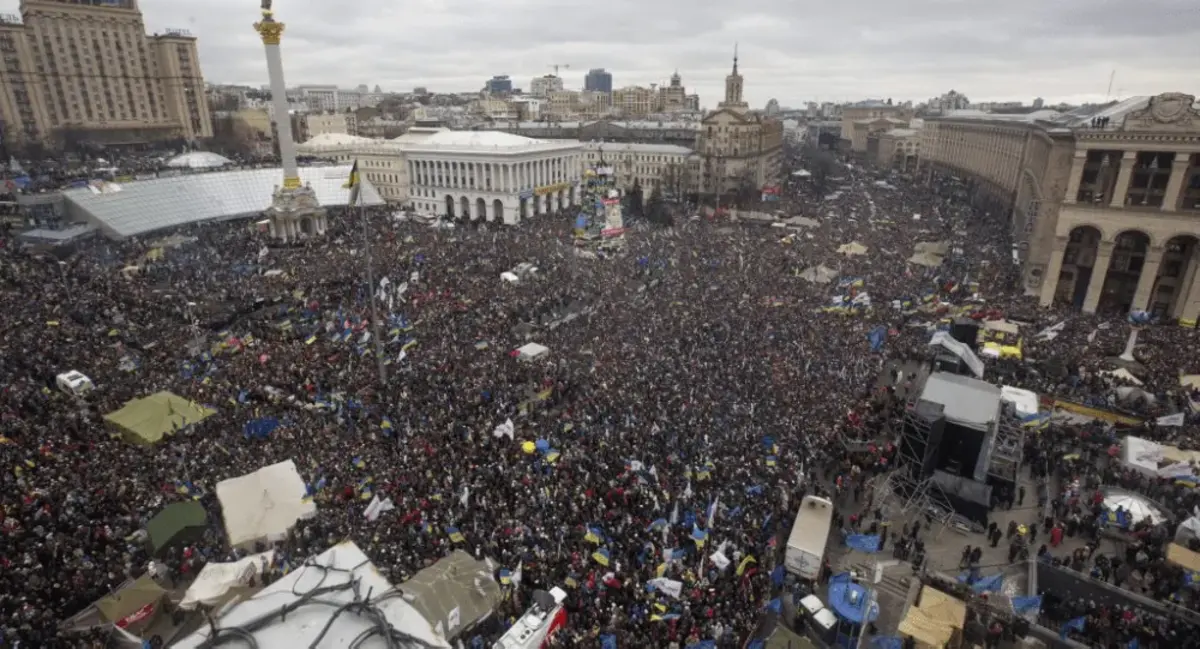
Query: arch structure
<point x="491" y="176"/>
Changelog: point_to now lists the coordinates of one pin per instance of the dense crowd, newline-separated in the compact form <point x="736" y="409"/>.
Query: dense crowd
<point x="706" y="383"/>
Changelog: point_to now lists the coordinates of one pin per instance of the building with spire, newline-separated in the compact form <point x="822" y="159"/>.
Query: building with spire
<point x="742" y="151"/>
<point x="673" y="98"/>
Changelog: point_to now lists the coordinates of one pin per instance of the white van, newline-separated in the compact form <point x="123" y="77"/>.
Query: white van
<point x="74" y="383"/>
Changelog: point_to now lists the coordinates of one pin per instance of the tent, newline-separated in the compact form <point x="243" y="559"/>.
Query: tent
<point x="459" y="590"/>
<point x="219" y="582"/>
<point x="532" y="351"/>
<point x="264" y="505"/>
<point x="1188" y="530"/>
<point x="929" y="260"/>
<point x="177" y="524"/>
<point x="819" y="274"/>
<point x="1136" y="507"/>
<point x="135" y="606"/>
<point x="935" y="621"/>
<point x="852" y="248"/>
<point x="144" y="421"/>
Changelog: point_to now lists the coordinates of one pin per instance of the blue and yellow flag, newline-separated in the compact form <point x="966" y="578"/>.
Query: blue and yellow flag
<point x="593" y="535"/>
<point x="354" y="184"/>
<point x="455" y="535"/>
<point x="601" y="557"/>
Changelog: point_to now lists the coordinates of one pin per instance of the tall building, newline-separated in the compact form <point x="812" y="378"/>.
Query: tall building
<point x="498" y="85"/>
<point x="673" y="98"/>
<point x="543" y="86"/>
<point x="88" y="73"/>
<point x="772" y="108"/>
<point x="599" y="80"/>
<point x="742" y="152"/>
<point x="1103" y="202"/>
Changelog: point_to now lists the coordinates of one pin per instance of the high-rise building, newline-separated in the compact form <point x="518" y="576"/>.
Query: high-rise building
<point x="598" y="79"/>
<point x="543" y="86"/>
<point x="78" y="72"/>
<point x="498" y="85"/>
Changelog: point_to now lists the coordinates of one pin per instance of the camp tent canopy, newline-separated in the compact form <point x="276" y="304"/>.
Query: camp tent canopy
<point x="935" y="621"/>
<point x="134" y="606"/>
<point x="455" y="593"/>
<point x="146" y="420"/>
<point x="532" y="351"/>
<point x="177" y="523"/>
<point x="852" y="248"/>
<point x="263" y="505"/>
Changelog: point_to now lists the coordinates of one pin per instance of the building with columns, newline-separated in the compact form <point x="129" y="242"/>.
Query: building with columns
<point x="1104" y="207"/>
<point x="492" y="176"/>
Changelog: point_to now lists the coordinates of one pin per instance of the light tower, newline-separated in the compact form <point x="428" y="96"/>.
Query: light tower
<point x="295" y="213"/>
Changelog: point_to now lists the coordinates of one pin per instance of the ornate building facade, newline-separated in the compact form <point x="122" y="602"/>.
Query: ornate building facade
<point x="1104" y="208"/>
<point x="741" y="150"/>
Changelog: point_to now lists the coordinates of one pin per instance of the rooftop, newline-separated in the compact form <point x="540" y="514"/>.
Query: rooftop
<point x="485" y="142"/>
<point x="636" y="147"/>
<point x="124" y="210"/>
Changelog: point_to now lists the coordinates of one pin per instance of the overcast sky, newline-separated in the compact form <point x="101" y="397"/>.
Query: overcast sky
<point x="792" y="50"/>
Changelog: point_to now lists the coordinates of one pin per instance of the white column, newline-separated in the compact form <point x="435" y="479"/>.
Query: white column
<point x="1174" y="191"/>
<point x="1123" y="177"/>
<point x="1145" y="288"/>
<point x="271" y="32"/>
<point x="1099" y="273"/>
<point x="1053" y="269"/>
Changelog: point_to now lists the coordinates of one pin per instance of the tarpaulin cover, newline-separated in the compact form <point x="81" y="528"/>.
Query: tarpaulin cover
<point x="218" y="580"/>
<point x="176" y="523"/>
<point x="264" y="505"/>
<point x="129" y="600"/>
<point x="146" y="420"/>
<point x="1183" y="557"/>
<point x="933" y="622"/>
<point x="457" y="591"/>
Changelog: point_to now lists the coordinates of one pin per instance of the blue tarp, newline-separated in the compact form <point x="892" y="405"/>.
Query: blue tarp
<point x="260" y="428"/>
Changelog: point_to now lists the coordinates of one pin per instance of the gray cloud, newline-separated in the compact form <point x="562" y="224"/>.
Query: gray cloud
<point x="791" y="50"/>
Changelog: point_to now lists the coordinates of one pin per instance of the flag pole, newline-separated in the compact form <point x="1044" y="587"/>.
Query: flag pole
<point x="378" y="342"/>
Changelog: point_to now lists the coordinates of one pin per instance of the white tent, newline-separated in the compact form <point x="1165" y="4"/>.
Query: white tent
<point x="959" y="349"/>
<point x="263" y="505"/>
<point x="1188" y="530"/>
<point x="1137" y="507"/>
<point x="345" y="575"/>
<point x="819" y="274"/>
<point x="1024" y="401"/>
<point x="219" y="580"/>
<point x="531" y="351"/>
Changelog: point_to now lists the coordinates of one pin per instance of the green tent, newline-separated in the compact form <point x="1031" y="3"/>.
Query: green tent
<point x="145" y="421"/>
<point x="176" y="524"/>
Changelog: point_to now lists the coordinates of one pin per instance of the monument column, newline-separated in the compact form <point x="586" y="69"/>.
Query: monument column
<point x="271" y="32"/>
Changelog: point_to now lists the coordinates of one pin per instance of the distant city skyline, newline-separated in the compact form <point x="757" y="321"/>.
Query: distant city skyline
<point x="791" y="53"/>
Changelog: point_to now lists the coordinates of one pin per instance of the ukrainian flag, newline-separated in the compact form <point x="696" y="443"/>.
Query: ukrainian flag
<point x="660" y="570"/>
<point x="359" y="463"/>
<point x="771" y="460"/>
<point x="386" y="424"/>
<point x="741" y="569"/>
<point x="593" y="535"/>
<point x="571" y="583"/>
<point x="601" y="557"/>
<point x="311" y="339"/>
<point x="353" y="183"/>
<point x="552" y="456"/>
<point x="455" y="535"/>
<point x="505" y="576"/>
<point x="699" y="536"/>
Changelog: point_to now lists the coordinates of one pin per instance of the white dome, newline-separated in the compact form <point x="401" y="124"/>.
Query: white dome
<point x="198" y="160"/>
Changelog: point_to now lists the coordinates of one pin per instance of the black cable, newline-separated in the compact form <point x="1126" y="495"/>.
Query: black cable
<point x="228" y="634"/>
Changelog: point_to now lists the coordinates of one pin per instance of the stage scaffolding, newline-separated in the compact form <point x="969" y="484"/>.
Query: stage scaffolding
<point x="1008" y="449"/>
<point x="909" y="483"/>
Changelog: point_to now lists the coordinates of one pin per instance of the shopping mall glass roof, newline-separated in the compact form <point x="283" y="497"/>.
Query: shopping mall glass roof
<point x="130" y="209"/>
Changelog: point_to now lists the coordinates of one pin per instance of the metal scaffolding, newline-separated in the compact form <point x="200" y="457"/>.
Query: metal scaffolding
<point x="909" y="483"/>
<point x="1008" y="448"/>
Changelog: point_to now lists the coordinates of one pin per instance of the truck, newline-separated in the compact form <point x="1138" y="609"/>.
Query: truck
<point x="806" y="544"/>
<point x="538" y="625"/>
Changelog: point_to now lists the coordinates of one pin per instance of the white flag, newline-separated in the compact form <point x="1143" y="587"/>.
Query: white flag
<point x="505" y="430"/>
<point x="465" y="498"/>
<point x="719" y="558"/>
<point x="377" y="508"/>
<point x="1170" y="420"/>
<point x="668" y="586"/>
<point x="516" y="576"/>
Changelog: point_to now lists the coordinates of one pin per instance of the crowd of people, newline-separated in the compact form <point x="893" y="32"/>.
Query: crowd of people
<point x="705" y="384"/>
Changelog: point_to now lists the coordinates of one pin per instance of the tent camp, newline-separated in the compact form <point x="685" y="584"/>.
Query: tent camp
<point x="263" y="505"/>
<point x="345" y="575"/>
<point x="176" y="525"/>
<point x="457" y="592"/>
<point x="135" y="606"/>
<point x="145" y="421"/>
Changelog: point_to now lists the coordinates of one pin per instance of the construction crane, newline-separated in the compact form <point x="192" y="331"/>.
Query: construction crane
<point x="556" y="66"/>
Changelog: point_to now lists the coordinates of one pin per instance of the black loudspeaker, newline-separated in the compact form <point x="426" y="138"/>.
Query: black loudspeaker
<point x="967" y="332"/>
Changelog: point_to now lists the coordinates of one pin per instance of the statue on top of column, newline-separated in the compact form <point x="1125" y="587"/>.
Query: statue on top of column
<point x="266" y="8"/>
